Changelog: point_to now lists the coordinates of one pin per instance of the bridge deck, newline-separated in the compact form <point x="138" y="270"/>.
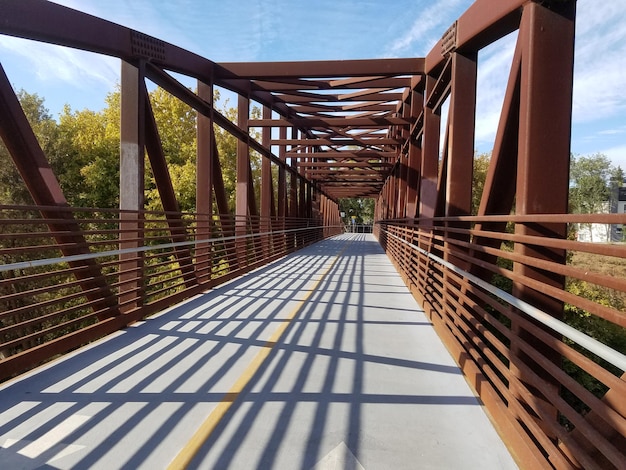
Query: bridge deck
<point x="322" y="360"/>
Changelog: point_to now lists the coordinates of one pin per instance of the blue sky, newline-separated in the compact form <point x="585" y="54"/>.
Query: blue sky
<point x="270" y="30"/>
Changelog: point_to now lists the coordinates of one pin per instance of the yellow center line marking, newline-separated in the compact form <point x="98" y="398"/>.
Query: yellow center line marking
<point x="193" y="446"/>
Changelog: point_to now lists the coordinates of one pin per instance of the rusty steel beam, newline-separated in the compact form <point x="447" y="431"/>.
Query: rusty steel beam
<point x="363" y="155"/>
<point x="461" y="135"/>
<point x="345" y="177"/>
<point x="312" y="108"/>
<point x="340" y="141"/>
<point x="219" y="190"/>
<point x="132" y="175"/>
<point x="371" y="82"/>
<point x="405" y="110"/>
<point x="344" y="164"/>
<point x="204" y="177"/>
<point x="430" y="157"/>
<point x="331" y="122"/>
<point x="484" y="22"/>
<point x="367" y="94"/>
<point x="293" y="180"/>
<point x="242" y="191"/>
<point x="267" y="193"/>
<point x="323" y="69"/>
<point x="442" y="181"/>
<point x="414" y="158"/>
<point x="282" y="180"/>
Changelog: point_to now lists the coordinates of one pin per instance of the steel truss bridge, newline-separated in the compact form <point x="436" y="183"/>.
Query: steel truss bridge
<point x="331" y="130"/>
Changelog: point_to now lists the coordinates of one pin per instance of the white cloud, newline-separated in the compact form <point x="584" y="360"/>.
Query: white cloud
<point x="615" y="131"/>
<point x="599" y="73"/>
<point x="77" y="68"/>
<point x="429" y="25"/>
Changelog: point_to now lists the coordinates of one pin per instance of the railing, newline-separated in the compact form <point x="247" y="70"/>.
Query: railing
<point x="531" y="350"/>
<point x="358" y="228"/>
<point x="57" y="294"/>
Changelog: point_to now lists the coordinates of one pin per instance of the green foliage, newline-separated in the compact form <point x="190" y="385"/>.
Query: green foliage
<point x="481" y="166"/>
<point x="589" y="183"/>
<point x="598" y="328"/>
<point x="227" y="151"/>
<point x="602" y="330"/>
<point x="361" y="208"/>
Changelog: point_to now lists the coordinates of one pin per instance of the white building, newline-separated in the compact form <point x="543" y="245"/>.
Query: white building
<point x="604" y="233"/>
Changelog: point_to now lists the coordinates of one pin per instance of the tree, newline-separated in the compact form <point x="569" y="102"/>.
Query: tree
<point x="86" y="158"/>
<point x="589" y="178"/>
<point x="589" y="185"/>
<point x="481" y="167"/>
<point x="360" y="208"/>
<point x="176" y="123"/>
<point x="227" y="151"/>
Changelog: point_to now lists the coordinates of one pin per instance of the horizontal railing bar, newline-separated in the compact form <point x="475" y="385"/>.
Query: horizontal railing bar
<point x="82" y="257"/>
<point x="601" y="350"/>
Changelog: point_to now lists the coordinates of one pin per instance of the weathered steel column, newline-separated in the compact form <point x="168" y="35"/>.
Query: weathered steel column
<point x="293" y="196"/>
<point x="293" y="181"/>
<point x="132" y="145"/>
<point x="243" y="182"/>
<point x="302" y="193"/>
<point x="404" y="164"/>
<point x="460" y="160"/>
<point x="547" y="39"/>
<point x="282" y="188"/>
<point x="430" y="156"/>
<point x="310" y="209"/>
<point x="325" y="214"/>
<point x="461" y="136"/>
<point x="204" y="181"/>
<point x="266" y="186"/>
<point x="414" y="160"/>
<point x="393" y="193"/>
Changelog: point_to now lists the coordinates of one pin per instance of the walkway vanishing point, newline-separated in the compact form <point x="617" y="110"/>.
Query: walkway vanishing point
<point x="321" y="360"/>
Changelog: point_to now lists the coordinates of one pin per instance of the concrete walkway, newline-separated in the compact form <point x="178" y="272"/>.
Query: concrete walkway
<point x="322" y="360"/>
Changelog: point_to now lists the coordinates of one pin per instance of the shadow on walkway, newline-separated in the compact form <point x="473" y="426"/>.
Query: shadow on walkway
<point x="357" y="377"/>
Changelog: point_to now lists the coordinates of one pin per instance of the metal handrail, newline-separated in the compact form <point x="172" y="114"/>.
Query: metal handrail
<point x="145" y="248"/>
<point x="603" y="351"/>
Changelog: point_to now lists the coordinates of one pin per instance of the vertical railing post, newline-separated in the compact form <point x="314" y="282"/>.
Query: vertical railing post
<point x="132" y="129"/>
